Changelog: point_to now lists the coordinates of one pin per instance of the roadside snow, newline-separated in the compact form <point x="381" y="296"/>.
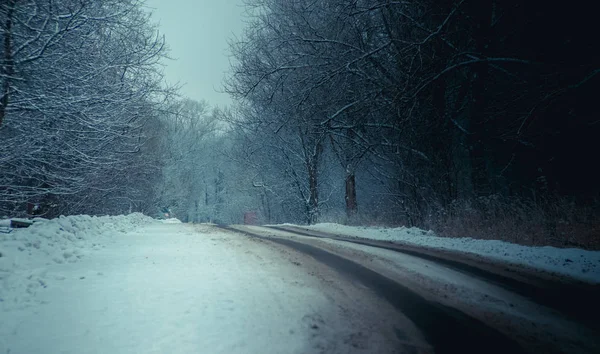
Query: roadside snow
<point x="171" y="221"/>
<point x="573" y="262"/>
<point x="164" y="288"/>
<point x="26" y="253"/>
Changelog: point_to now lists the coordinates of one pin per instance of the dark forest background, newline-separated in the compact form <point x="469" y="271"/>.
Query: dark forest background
<point x="471" y="118"/>
<point x="479" y="117"/>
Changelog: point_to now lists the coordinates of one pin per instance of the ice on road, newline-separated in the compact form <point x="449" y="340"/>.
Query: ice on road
<point x="177" y="288"/>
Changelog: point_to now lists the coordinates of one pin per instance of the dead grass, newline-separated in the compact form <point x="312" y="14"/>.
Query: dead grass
<point x="552" y="222"/>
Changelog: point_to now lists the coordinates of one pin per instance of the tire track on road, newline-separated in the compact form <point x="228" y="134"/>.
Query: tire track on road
<point x="575" y="300"/>
<point x="446" y="329"/>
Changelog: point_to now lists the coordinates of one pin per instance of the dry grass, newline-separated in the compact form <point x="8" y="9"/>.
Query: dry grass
<point x="553" y="222"/>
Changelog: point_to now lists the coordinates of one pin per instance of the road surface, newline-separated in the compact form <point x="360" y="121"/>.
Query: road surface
<point x="181" y="288"/>
<point x="458" y="303"/>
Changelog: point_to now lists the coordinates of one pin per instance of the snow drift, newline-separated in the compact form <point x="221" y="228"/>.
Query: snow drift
<point x="25" y="254"/>
<point x="171" y="221"/>
<point x="572" y="262"/>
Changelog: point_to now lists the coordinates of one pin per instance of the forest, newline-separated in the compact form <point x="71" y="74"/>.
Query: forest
<point x="471" y="118"/>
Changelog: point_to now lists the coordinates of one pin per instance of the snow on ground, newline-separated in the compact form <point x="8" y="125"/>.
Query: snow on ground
<point x="573" y="262"/>
<point x="131" y="284"/>
<point x="171" y="221"/>
<point x="26" y="253"/>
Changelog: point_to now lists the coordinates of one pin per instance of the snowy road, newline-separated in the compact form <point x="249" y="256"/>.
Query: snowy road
<point x="177" y="288"/>
<point x="181" y="288"/>
<point x="458" y="306"/>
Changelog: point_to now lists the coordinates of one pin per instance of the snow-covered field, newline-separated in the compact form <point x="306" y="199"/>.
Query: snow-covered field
<point x="132" y="284"/>
<point x="572" y="262"/>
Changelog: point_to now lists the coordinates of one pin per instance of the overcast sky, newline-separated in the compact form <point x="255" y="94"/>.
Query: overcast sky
<point x="197" y="32"/>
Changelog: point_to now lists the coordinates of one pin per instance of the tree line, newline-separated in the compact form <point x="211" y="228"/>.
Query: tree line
<point x="81" y="91"/>
<point x="88" y="124"/>
<point x="473" y="118"/>
<point x="424" y="113"/>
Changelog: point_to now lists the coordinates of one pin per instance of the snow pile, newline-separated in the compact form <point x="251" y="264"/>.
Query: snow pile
<point x="171" y="221"/>
<point x="573" y="262"/>
<point x="26" y="253"/>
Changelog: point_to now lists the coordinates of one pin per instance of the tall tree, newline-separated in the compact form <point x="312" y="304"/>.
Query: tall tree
<point x="80" y="80"/>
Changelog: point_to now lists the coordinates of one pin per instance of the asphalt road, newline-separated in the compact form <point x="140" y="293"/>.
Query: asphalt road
<point x="459" y="304"/>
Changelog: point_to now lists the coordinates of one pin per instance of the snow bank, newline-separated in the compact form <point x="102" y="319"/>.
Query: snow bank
<point x="573" y="262"/>
<point x="26" y="253"/>
<point x="171" y="221"/>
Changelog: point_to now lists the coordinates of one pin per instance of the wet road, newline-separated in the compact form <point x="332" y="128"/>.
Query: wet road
<point x="459" y="305"/>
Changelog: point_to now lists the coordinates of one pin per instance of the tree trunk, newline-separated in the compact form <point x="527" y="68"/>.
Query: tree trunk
<point x="266" y="206"/>
<point x="351" y="203"/>
<point x="313" y="200"/>
<point x="480" y="127"/>
<point x="8" y="66"/>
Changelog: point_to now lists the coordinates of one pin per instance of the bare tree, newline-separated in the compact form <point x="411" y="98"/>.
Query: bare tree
<point x="80" y="80"/>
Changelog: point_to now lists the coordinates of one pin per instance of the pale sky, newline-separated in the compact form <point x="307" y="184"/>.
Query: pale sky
<point x="197" y="32"/>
